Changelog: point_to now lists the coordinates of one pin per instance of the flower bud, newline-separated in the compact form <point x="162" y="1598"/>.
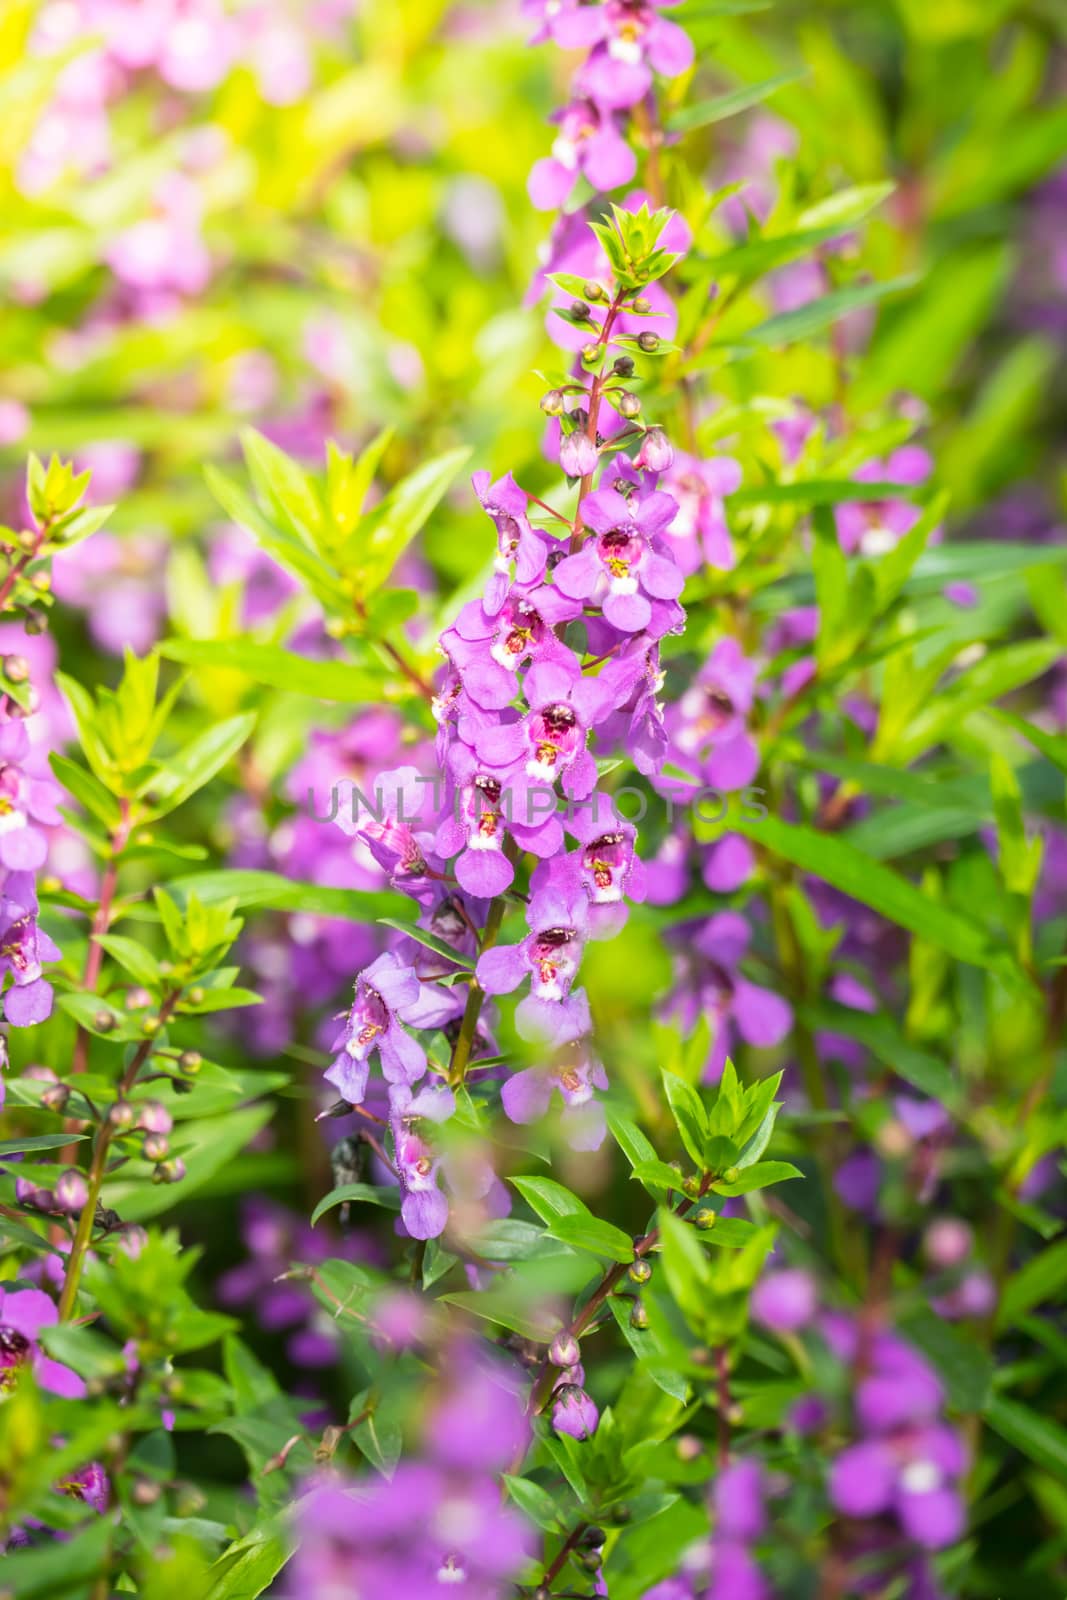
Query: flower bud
<point x="640" y="307"/>
<point x="648" y="341"/>
<point x="72" y="1191"/>
<point x="578" y="455"/>
<point x="155" y="1118"/>
<point x="947" y="1242"/>
<point x="172" y="1171"/>
<point x="574" y="1412"/>
<point x="638" y="1315"/>
<point x="590" y="1560"/>
<point x="579" y="311"/>
<point x="593" y="1538"/>
<point x="41" y="581"/>
<point x="705" y="1218"/>
<point x="27" y="540"/>
<point x="195" y="996"/>
<point x="134" y="1238"/>
<point x="656" y="452"/>
<point x="16" y="669"/>
<point x="39" y="1073"/>
<point x="564" y="1351"/>
<point x="639" y="1271"/>
<point x="55" y="1097"/>
<point x="190" y="1061"/>
<point x="145" y="1491"/>
<point x="731" y="1175"/>
<point x="691" y="1187"/>
<point x="155" y="1147"/>
<point x="591" y="354"/>
<point x="137" y="998"/>
<point x="151" y="1025"/>
<point x="553" y="402"/>
<point x="593" y="291"/>
<point x="624" y="366"/>
<point x="628" y="405"/>
<point x="122" y="1115"/>
<point x="103" y="1021"/>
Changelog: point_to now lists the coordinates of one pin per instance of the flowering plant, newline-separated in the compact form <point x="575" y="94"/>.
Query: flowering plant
<point x="533" y="1007"/>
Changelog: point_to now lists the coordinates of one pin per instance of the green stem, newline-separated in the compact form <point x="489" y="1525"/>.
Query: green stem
<point x="97" y="1169"/>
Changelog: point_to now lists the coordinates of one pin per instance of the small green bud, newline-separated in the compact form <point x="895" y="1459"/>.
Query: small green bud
<point x="638" y="1315"/>
<point x="552" y="403"/>
<point x="628" y="405"/>
<point x="590" y="1560"/>
<point x="195" y="996"/>
<point x="590" y="354"/>
<point x="190" y="1061"/>
<point x="691" y="1186"/>
<point x="150" y="1026"/>
<point x="705" y="1218"/>
<point x="103" y="1021"/>
<point x="641" y="307"/>
<point x="648" y="341"/>
<point x="640" y="1271"/>
<point x="731" y="1175"/>
<point x="593" y="291"/>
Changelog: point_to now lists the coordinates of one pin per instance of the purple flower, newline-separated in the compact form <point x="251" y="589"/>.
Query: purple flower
<point x="624" y="570"/>
<point x="574" y="1412"/>
<point x="549" y="956"/>
<point x="785" y="1300"/>
<point x="579" y="456"/>
<point x="488" y="650"/>
<point x="708" y="727"/>
<point x="737" y="1496"/>
<point x="23" y="1314"/>
<point x="699" y="532"/>
<point x="636" y="41"/>
<point x="23" y="801"/>
<point x="576" y="1074"/>
<point x="414" y="1534"/>
<point x="387" y="993"/>
<point x="589" y="144"/>
<point x="395" y="821"/>
<point x="424" y="1208"/>
<point x="23" y="947"/>
<point x="912" y="1474"/>
<point x="712" y="984"/>
<point x="549" y="742"/>
<point x="89" y="1484"/>
<point x="517" y="542"/>
<point x="871" y="527"/>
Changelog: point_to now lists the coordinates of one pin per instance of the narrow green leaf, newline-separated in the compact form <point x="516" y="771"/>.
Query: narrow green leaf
<point x="361" y="1194"/>
<point x="277" y="668"/>
<point x="706" y="112"/>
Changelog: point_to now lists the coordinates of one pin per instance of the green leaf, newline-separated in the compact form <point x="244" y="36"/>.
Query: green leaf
<point x="283" y="485"/>
<point x="550" y="1199"/>
<point x="430" y="941"/>
<point x="916" y="1066"/>
<point x="89" y="792"/>
<point x="818" y="492"/>
<point x="841" y="865"/>
<point x="362" y="1193"/>
<point x="536" y="1502"/>
<point x="758" y="1176"/>
<point x="689" y="1115"/>
<point x="967" y="1369"/>
<point x="384" y="533"/>
<point x="590" y="1233"/>
<point x="277" y="668"/>
<point x="718" y="107"/>
<point x="249" y="1566"/>
<point x="195" y="765"/>
<point x="789" y="327"/>
<point x="38" y="1141"/>
<point x="132" y="956"/>
<point x="1041" y="1281"/>
<point x="269" y="891"/>
<point x="1038" y="1437"/>
<point x="1051" y="745"/>
<point x="846" y="207"/>
<point x="629" y="1138"/>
